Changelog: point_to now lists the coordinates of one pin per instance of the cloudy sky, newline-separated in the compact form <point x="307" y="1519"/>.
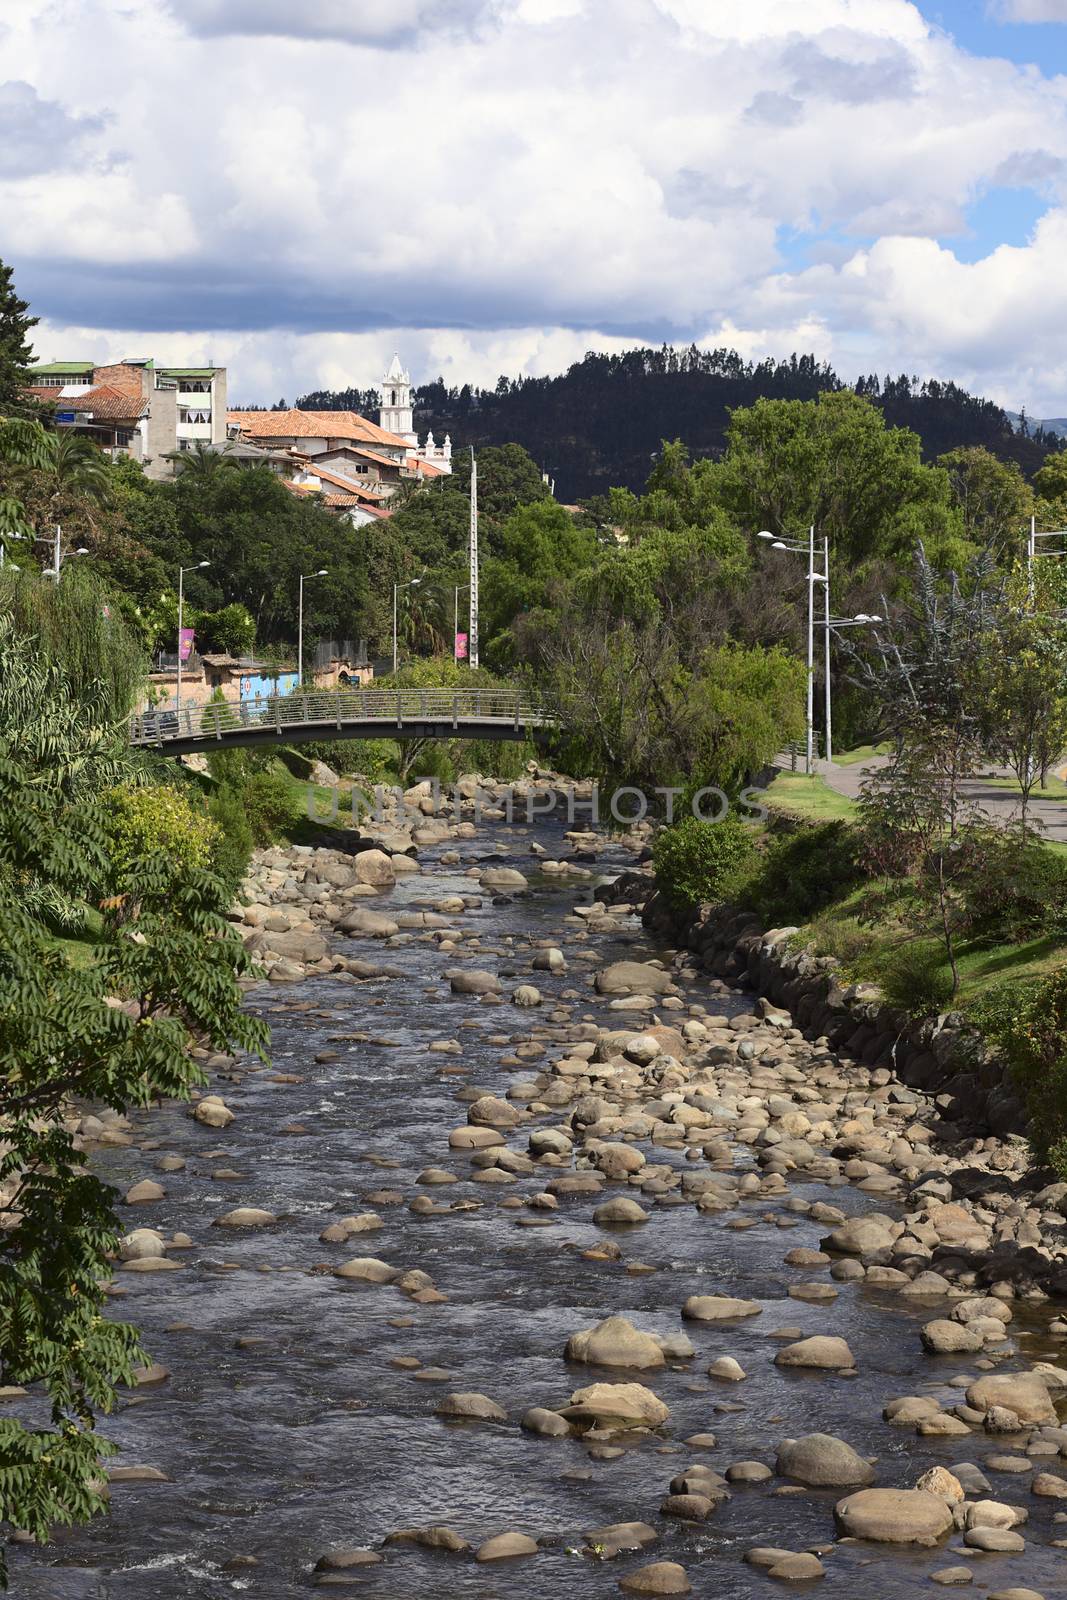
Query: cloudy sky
<point x="296" y="187"/>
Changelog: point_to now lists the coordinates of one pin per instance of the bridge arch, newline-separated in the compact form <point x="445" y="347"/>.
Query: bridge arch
<point x="477" y="713"/>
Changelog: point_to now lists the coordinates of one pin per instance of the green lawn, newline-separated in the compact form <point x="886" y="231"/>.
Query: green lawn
<point x="862" y="752"/>
<point x="1055" y="789"/>
<point x="809" y="798"/>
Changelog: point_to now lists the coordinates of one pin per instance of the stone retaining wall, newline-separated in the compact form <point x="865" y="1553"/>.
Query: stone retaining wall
<point x="937" y="1055"/>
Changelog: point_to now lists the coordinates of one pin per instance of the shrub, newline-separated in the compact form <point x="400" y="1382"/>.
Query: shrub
<point x="843" y="937"/>
<point x="158" y="823"/>
<point x="269" y="806"/>
<point x="914" y="976"/>
<point x="700" y="861"/>
<point x="233" y="849"/>
<point x="1028" y="1021"/>
<point x="1017" y="890"/>
<point x="801" y="873"/>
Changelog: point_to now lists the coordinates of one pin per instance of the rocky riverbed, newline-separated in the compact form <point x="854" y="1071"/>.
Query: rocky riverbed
<point x="540" y="1259"/>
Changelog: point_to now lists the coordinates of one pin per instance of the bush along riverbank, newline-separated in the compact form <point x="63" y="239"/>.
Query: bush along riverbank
<point x="1003" y="1220"/>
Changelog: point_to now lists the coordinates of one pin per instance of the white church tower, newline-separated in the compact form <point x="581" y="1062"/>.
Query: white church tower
<point x="396" y="416"/>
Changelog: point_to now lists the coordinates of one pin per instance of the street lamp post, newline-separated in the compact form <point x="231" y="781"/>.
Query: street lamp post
<point x="58" y="553"/>
<point x="321" y="573"/>
<point x="797" y="547"/>
<point x="181" y="613"/>
<point x="1033" y="553"/>
<point x="831" y="625"/>
<point x="412" y="583"/>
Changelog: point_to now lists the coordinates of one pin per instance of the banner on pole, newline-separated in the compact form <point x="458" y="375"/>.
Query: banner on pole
<point x="461" y="647"/>
<point x="185" y="643"/>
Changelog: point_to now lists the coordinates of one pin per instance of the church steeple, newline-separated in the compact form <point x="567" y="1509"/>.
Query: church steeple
<point x="395" y="415"/>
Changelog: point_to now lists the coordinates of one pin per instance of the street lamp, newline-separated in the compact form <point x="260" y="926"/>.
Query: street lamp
<point x="300" y="623"/>
<point x="58" y="553"/>
<point x="196" y="566"/>
<point x="831" y="625"/>
<point x="798" y="547"/>
<point x="1033" y="553"/>
<point x="412" y="583"/>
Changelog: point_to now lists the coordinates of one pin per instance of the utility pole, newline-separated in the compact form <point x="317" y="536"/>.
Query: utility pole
<point x="826" y="661"/>
<point x="809" y="764"/>
<point x="472" y="644"/>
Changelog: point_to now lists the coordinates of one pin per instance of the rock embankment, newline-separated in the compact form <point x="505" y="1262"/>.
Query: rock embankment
<point x="1007" y="1220"/>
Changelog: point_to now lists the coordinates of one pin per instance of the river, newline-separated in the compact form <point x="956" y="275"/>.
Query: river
<point x="285" y="1427"/>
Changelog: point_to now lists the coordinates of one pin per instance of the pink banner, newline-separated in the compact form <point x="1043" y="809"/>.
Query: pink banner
<point x="185" y="643"/>
<point x="461" y="646"/>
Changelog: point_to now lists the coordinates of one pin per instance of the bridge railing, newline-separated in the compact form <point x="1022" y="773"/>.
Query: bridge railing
<point x="386" y="708"/>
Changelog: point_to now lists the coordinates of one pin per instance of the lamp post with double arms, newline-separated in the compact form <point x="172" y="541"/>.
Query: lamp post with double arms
<point x="321" y="573"/>
<point x="799" y="547"/>
<point x="196" y="566"/>
<point x="412" y="583"/>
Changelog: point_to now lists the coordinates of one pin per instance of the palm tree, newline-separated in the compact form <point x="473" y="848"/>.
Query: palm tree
<point x="76" y="474"/>
<point x="202" y="464"/>
<point x="428" y="621"/>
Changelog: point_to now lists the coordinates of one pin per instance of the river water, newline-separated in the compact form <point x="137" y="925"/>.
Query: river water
<point x="310" y="1438"/>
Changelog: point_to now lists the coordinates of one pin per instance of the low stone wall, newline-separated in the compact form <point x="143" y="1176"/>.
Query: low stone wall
<point x="939" y="1055"/>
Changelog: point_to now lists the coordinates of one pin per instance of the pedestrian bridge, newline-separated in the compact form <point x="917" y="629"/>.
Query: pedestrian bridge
<point x="344" y="714"/>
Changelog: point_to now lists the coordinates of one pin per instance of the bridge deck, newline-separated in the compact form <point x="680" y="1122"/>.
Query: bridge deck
<point x="343" y="714"/>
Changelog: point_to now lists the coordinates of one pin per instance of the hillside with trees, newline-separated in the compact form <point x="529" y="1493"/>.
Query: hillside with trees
<point x="600" y="423"/>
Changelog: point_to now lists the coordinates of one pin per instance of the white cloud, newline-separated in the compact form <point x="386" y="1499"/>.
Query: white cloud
<point x="1030" y="10"/>
<point x="570" y="173"/>
<point x="390" y="23"/>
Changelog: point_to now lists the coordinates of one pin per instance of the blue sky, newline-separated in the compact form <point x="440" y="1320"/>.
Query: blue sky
<point x="499" y="185"/>
<point x="983" y="30"/>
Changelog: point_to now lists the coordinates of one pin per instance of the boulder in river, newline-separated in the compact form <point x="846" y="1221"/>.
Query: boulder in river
<point x="625" y="1405"/>
<point x="213" y="1112"/>
<point x="471" y="980"/>
<point x="894" y="1516"/>
<point x="1022" y="1392"/>
<point x="615" y="1342"/>
<point x="718" y="1308"/>
<point x="825" y="1352"/>
<point x="632" y="977"/>
<point x="661" y="1577"/>
<point x="474" y="1407"/>
<point x="503" y="1546"/>
<point x="245" y="1217"/>
<point x="823" y="1462"/>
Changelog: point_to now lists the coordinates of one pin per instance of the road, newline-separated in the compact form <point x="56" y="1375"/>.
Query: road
<point x="1001" y="804"/>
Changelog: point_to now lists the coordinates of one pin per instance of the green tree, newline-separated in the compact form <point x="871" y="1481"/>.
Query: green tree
<point x="1021" y="684"/>
<point x="508" y="477"/>
<point x="540" y="547"/>
<point x="77" y="625"/>
<point x="833" y="462"/>
<point x="15" y="349"/>
<point x="61" y="1036"/>
<point x="231" y="629"/>
<point x="202" y="462"/>
<point x="993" y="498"/>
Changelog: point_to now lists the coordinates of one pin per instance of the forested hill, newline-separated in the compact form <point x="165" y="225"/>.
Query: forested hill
<point x="601" y="422"/>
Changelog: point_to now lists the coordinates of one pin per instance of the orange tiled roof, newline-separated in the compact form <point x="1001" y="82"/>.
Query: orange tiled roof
<point x="312" y="425"/>
<point x="372" y="491"/>
<point x="104" y="401"/>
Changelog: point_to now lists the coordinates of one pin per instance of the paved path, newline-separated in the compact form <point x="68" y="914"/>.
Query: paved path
<point x="1001" y="804"/>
